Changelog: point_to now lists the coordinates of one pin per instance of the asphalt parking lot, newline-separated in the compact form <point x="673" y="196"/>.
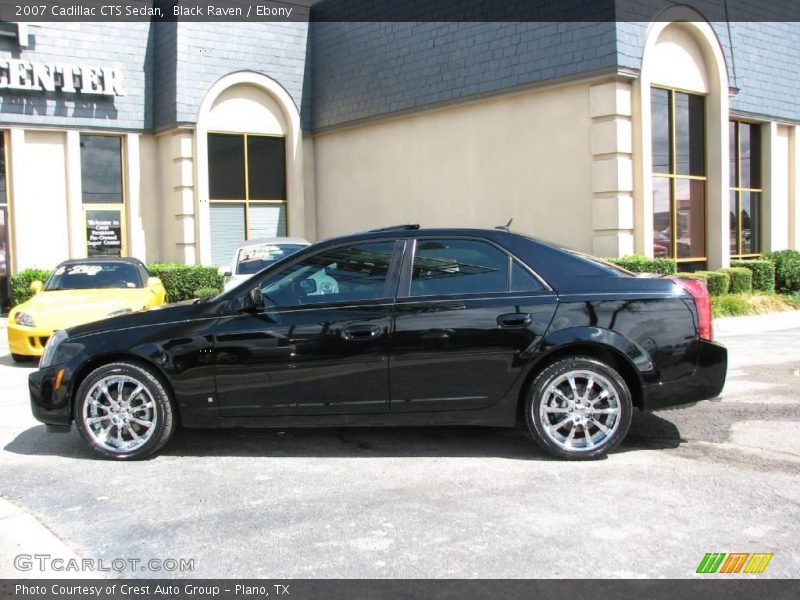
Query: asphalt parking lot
<point x="721" y="476"/>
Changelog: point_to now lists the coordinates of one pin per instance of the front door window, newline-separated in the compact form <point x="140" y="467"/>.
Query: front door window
<point x="346" y="274"/>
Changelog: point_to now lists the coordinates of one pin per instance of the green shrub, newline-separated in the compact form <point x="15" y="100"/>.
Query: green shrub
<point x="730" y="305"/>
<point x="207" y="292"/>
<point x="763" y="273"/>
<point x="642" y="264"/>
<point x="741" y="280"/>
<point x="788" y="276"/>
<point x="183" y="281"/>
<point x="21" y="284"/>
<point x="718" y="282"/>
<point x="787" y="270"/>
<point x="793" y="300"/>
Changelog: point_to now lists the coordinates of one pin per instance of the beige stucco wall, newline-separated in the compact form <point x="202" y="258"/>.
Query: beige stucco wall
<point x="525" y="156"/>
<point x="149" y="207"/>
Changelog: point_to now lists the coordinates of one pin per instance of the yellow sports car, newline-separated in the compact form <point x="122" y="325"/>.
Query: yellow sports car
<point x="80" y="291"/>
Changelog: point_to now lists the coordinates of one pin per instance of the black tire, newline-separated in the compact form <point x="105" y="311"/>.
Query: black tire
<point x="163" y="415"/>
<point x="23" y="358"/>
<point x="585" y="424"/>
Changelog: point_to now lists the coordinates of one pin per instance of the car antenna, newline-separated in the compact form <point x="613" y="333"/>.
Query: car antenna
<point x="505" y="227"/>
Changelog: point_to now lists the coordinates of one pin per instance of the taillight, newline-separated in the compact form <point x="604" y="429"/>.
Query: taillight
<point x="702" y="301"/>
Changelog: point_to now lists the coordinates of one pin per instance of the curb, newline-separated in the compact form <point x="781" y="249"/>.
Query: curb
<point x="22" y="533"/>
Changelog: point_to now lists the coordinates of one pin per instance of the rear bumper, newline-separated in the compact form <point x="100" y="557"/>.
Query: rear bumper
<point x="49" y="405"/>
<point x="706" y="382"/>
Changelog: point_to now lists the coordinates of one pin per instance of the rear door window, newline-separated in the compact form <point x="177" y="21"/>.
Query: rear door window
<point x="458" y="266"/>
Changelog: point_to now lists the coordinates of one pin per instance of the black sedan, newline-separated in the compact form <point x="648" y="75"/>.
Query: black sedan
<point x="398" y="326"/>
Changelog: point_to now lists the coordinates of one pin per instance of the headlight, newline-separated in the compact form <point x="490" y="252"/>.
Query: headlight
<point x="116" y="313"/>
<point x="50" y="348"/>
<point x="24" y="319"/>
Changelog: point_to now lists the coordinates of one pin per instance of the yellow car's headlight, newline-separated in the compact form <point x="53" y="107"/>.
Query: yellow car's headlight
<point x="24" y="319"/>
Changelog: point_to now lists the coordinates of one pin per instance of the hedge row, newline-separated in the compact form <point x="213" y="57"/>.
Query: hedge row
<point x="775" y="270"/>
<point x="636" y="263"/>
<point x="763" y="273"/>
<point x="787" y="270"/>
<point x="718" y="282"/>
<point x="182" y="282"/>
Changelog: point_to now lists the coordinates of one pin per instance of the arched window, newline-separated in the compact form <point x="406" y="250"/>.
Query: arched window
<point x="249" y="169"/>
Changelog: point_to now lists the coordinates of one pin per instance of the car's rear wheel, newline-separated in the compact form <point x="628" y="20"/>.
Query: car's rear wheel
<point x="124" y="411"/>
<point x="578" y="408"/>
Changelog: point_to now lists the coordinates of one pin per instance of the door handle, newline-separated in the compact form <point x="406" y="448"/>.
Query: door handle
<point x="355" y="333"/>
<point x="512" y="320"/>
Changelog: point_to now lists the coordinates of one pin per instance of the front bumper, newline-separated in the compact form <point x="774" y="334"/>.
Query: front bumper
<point x="706" y="382"/>
<point x="49" y="404"/>
<point x="27" y="341"/>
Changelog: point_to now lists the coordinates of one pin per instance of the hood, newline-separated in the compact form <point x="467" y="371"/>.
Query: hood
<point x="169" y="313"/>
<point x="60" y="309"/>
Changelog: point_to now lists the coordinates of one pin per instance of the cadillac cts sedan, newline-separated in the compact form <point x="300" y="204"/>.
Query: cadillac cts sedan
<point x="398" y="326"/>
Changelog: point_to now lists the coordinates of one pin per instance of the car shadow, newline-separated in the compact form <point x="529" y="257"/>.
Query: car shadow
<point x="648" y="431"/>
<point x="7" y="361"/>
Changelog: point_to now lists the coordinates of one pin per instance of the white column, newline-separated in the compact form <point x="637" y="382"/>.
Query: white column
<point x="794" y="188"/>
<point x="718" y="245"/>
<point x="133" y="199"/>
<point x="183" y="194"/>
<point x="612" y="169"/>
<point x="76" y="226"/>
<point x="775" y="210"/>
<point x="15" y="159"/>
<point x="308" y="172"/>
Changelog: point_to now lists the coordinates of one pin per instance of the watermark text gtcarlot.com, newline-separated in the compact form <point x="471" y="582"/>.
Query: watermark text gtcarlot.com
<point x="47" y="562"/>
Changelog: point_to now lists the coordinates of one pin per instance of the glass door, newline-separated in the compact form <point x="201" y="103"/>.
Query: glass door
<point x="102" y="191"/>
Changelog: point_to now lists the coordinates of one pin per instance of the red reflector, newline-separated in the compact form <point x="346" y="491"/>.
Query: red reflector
<point x="702" y="301"/>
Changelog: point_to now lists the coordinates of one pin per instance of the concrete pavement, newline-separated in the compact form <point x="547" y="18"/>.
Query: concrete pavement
<point x="721" y="476"/>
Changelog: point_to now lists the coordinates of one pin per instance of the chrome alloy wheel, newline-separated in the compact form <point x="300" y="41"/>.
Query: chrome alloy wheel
<point x="580" y="411"/>
<point x="119" y="414"/>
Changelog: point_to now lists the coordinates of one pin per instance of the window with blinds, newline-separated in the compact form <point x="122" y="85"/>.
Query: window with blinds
<point x="247" y="190"/>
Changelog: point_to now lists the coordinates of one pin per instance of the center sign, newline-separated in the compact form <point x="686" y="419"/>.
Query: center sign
<point x="16" y="74"/>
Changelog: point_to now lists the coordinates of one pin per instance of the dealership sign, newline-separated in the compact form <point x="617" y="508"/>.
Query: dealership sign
<point x="25" y="75"/>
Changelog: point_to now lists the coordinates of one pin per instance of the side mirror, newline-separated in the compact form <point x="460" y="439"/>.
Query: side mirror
<point x="225" y="271"/>
<point x="256" y="298"/>
<point x="153" y="282"/>
<point x="36" y="286"/>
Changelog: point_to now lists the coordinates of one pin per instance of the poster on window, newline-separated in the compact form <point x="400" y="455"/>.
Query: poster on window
<point x="103" y="233"/>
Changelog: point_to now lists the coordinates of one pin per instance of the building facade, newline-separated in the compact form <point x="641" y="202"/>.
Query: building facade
<point x="674" y="137"/>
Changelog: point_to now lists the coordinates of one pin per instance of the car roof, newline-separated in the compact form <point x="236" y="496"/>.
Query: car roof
<point x="405" y="231"/>
<point x="103" y="259"/>
<point x="274" y="240"/>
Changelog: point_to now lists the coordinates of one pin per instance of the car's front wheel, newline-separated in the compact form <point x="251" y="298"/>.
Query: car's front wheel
<point x="578" y="408"/>
<point x="124" y="411"/>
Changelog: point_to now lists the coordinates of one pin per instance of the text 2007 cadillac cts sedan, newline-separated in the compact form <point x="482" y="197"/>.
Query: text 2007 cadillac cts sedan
<point x="399" y="326"/>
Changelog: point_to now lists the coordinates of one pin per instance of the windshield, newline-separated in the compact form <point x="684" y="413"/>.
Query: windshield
<point x="252" y="259"/>
<point x="87" y="276"/>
